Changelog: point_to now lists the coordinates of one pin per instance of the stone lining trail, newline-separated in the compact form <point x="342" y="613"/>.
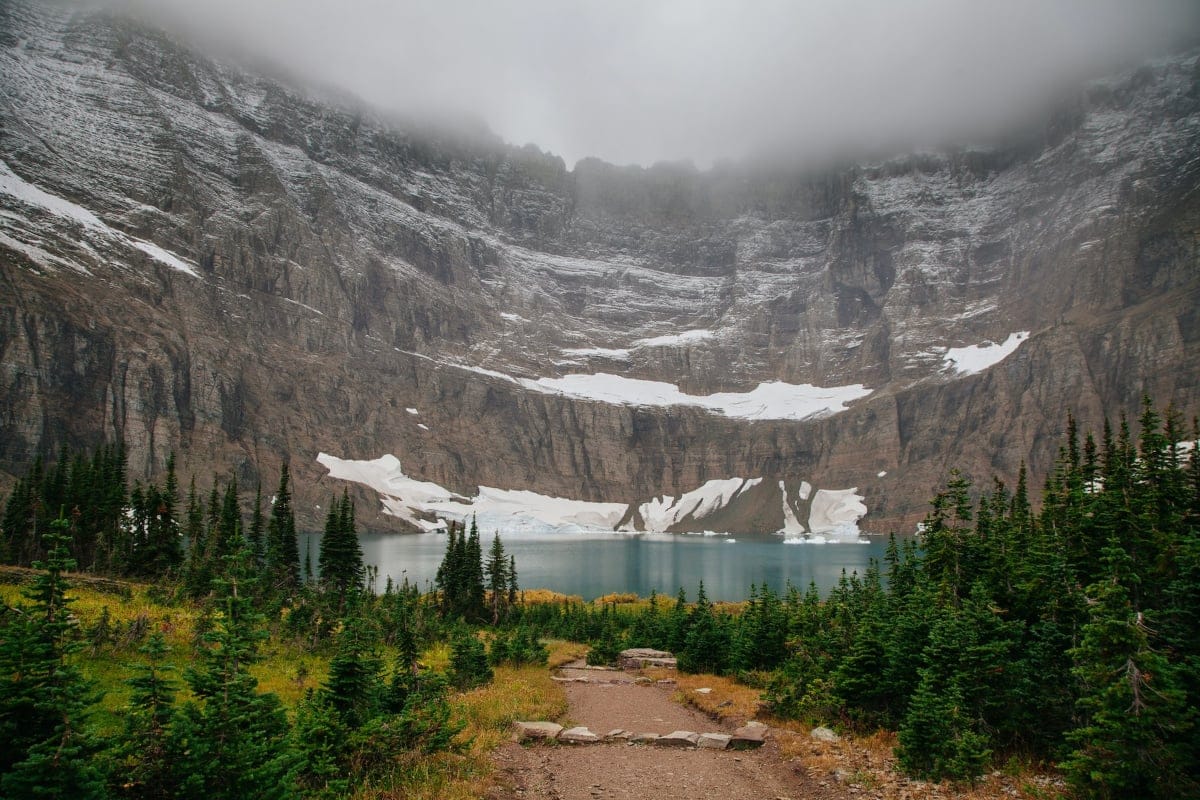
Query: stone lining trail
<point x="617" y="767"/>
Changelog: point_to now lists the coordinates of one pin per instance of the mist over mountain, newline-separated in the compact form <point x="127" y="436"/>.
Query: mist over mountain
<point x="706" y="80"/>
<point x="202" y="259"/>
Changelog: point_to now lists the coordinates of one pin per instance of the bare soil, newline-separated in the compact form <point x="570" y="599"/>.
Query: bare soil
<point x="623" y="771"/>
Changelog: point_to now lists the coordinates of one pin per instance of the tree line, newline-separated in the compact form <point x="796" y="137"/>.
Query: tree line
<point x="243" y="572"/>
<point x="1070" y="634"/>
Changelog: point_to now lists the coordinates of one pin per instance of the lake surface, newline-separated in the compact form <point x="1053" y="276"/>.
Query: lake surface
<point x="593" y="564"/>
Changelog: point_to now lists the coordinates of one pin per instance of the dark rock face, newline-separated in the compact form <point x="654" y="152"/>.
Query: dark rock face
<point x="202" y="260"/>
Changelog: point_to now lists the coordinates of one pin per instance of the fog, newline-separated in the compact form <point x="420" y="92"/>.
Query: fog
<point x="638" y="81"/>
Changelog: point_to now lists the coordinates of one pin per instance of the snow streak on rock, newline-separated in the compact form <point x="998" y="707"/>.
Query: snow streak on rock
<point x="427" y="506"/>
<point x="976" y="358"/>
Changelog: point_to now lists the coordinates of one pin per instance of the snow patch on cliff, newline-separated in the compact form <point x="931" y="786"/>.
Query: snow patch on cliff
<point x="619" y="353"/>
<point x="427" y="506"/>
<point x="662" y="513"/>
<point x="27" y="194"/>
<point x="791" y="523"/>
<point x="401" y="496"/>
<point x="14" y="186"/>
<point x="773" y="400"/>
<point x="675" y="339"/>
<point x="836" y="512"/>
<point x="978" y="357"/>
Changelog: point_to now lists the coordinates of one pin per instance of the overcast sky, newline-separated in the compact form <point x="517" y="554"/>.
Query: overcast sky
<point x="637" y="81"/>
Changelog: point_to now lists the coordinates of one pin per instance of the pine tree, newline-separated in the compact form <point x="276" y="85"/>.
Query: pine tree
<point x="283" y="550"/>
<point x="512" y="581"/>
<point x="142" y="762"/>
<point x="468" y="660"/>
<point x="232" y="742"/>
<point x="706" y="646"/>
<point x="354" y="687"/>
<point x="257" y="531"/>
<point x="340" y="556"/>
<point x="47" y="751"/>
<point x="1136" y="718"/>
<point x="498" y="578"/>
<point x="678" y="623"/>
<point x="475" y="604"/>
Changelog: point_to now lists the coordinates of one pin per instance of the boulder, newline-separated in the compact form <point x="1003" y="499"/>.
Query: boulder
<point x="526" y="731"/>
<point x="713" y="741"/>
<point x="823" y="734"/>
<point x="750" y="735"/>
<point x="641" y="657"/>
<point x="578" y="735"/>
<point x="678" y="739"/>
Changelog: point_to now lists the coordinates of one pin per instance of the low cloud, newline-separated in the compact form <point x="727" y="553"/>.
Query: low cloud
<point x="632" y="81"/>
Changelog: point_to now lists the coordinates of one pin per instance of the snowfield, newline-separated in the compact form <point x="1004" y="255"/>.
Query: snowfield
<point x="428" y="506"/>
<point x="773" y="400"/>
<point x="976" y="358"/>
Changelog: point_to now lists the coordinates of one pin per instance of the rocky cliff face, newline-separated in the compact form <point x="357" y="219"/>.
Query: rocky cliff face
<point x="199" y="259"/>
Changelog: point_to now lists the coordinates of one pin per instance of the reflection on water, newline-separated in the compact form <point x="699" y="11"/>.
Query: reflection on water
<point x="594" y="564"/>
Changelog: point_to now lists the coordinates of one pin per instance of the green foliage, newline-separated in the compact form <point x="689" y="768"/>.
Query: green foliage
<point x="468" y="661"/>
<point x="48" y="750"/>
<point x="141" y="761"/>
<point x="518" y="647"/>
<point x="938" y="740"/>
<point x="706" y="645"/>
<point x="604" y="650"/>
<point x="460" y="578"/>
<point x="283" y="549"/>
<point x="231" y="741"/>
<point x="979" y="638"/>
<point x="340" y="561"/>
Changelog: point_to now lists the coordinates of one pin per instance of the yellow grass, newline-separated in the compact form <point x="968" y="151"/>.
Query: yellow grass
<point x="728" y="700"/>
<point x="517" y="693"/>
<point x="535" y="596"/>
<point x="620" y="598"/>
<point x="564" y="652"/>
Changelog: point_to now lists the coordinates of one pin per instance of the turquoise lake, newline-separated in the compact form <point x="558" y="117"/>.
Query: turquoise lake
<point x="592" y="564"/>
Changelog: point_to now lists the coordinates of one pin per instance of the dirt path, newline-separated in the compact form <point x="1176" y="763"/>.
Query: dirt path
<point x="621" y="771"/>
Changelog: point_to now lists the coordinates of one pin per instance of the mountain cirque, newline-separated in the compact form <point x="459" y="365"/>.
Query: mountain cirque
<point x="201" y="259"/>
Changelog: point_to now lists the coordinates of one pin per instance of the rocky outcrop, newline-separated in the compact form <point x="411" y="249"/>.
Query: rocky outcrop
<point x="642" y="657"/>
<point x="201" y="260"/>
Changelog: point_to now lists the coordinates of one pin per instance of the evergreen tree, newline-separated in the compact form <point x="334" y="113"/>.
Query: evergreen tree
<point x="706" y="646"/>
<point x="512" y="581"/>
<point x="48" y="751"/>
<point x="142" y="762"/>
<point x="256" y="533"/>
<point x="468" y="661"/>
<point x="198" y="574"/>
<point x="475" y="604"/>
<point x="354" y="687"/>
<point x="283" y="550"/>
<point x="340" y="556"/>
<point x="497" y="571"/>
<point x="232" y="742"/>
<point x="678" y="623"/>
<point x="1133" y="742"/>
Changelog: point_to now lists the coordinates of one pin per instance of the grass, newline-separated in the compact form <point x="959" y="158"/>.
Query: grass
<point x="728" y="700"/>
<point x="516" y="693"/>
<point x="864" y="761"/>
<point x="288" y="670"/>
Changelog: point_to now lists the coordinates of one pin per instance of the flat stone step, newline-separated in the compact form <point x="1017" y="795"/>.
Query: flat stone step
<point x="678" y="739"/>
<point x="526" y="731"/>
<point x="578" y="735"/>
<point x="714" y="741"/>
<point x="749" y="736"/>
